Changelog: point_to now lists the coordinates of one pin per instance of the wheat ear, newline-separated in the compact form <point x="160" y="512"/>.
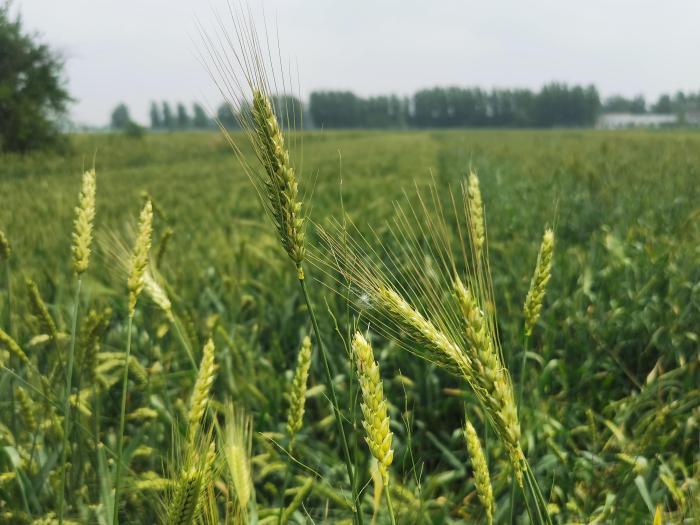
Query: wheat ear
<point x="40" y="311"/>
<point x="538" y="284"/>
<point x="482" y="479"/>
<point x="477" y="227"/>
<point x="281" y="184"/>
<point x="5" y="248"/>
<point x="83" y="224"/>
<point x="14" y="349"/>
<point x="490" y="377"/>
<point x="139" y="257"/>
<point x="236" y="448"/>
<point x="374" y="405"/>
<point x="200" y="393"/>
<point x="185" y="504"/>
<point x="297" y="393"/>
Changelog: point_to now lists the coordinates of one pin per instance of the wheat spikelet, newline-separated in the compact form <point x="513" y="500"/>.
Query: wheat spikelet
<point x="236" y="449"/>
<point x="374" y="405"/>
<point x="297" y="393"/>
<point x="41" y="312"/>
<point x="482" y="479"/>
<point x="12" y="346"/>
<point x="200" y="393"/>
<point x="281" y="184"/>
<point x="5" y="248"/>
<point x="543" y="271"/>
<point x="139" y="257"/>
<point x="476" y="214"/>
<point x="83" y="224"/>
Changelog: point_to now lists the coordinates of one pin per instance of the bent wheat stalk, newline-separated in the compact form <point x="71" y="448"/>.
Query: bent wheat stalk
<point x="135" y="283"/>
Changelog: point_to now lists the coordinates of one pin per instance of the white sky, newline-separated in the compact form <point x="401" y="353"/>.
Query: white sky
<point x="137" y="51"/>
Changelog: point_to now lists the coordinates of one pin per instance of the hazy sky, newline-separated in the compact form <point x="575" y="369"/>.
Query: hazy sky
<point x="137" y="51"/>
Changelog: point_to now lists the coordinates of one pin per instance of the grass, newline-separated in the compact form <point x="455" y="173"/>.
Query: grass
<point x="611" y="404"/>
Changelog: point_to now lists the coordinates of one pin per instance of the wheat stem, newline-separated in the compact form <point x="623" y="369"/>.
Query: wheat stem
<point x="66" y="403"/>
<point x="389" y="505"/>
<point x="122" y="419"/>
<point x="334" y="398"/>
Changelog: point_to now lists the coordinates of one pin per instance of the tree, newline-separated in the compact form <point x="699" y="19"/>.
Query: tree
<point x="168" y="120"/>
<point x="120" y="117"/>
<point x="200" y="120"/>
<point x="156" y="120"/>
<point x="183" y="119"/>
<point x="33" y="95"/>
<point x="226" y="115"/>
<point x="663" y="105"/>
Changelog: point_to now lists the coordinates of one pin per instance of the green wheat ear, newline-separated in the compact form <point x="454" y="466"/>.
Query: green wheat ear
<point x="83" y="224"/>
<point x="374" y="405"/>
<point x="200" y="393"/>
<point x="5" y="248"/>
<point x="482" y="478"/>
<point x="139" y="257"/>
<point x="538" y="284"/>
<point x="476" y="214"/>
<point x="281" y="183"/>
<point x="297" y="394"/>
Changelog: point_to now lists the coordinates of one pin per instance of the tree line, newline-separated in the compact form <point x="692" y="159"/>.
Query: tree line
<point x="555" y="104"/>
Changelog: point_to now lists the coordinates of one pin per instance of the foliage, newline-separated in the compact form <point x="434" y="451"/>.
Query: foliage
<point x="33" y="95"/>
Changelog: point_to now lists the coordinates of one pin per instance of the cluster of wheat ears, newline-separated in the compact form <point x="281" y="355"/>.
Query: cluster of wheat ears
<point x="447" y="317"/>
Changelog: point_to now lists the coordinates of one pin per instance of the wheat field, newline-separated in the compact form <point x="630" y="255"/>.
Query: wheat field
<point x="415" y="319"/>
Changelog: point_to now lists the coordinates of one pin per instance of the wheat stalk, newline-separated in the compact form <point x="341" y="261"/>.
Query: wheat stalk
<point x="135" y="283"/>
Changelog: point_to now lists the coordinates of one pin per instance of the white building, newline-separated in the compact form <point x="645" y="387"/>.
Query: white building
<point x="632" y="120"/>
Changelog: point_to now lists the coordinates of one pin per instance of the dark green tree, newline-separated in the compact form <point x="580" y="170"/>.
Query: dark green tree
<point x="663" y="105"/>
<point x="200" y="120"/>
<point x="226" y="116"/>
<point x="120" y="117"/>
<point x="156" y="120"/>
<point x="183" y="119"/>
<point x="33" y="95"/>
<point x="168" y="119"/>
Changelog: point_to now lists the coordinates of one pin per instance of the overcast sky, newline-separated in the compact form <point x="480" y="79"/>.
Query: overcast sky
<point x="137" y="51"/>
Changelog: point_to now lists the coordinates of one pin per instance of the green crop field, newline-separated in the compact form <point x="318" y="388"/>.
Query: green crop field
<point x="609" y="399"/>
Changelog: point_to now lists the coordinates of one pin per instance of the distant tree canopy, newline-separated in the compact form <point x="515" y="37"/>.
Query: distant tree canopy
<point x="162" y="117"/>
<point x="33" y="96"/>
<point x="120" y="117"/>
<point x="620" y="104"/>
<point x="555" y="105"/>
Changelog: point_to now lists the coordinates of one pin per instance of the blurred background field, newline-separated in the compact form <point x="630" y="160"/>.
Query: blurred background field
<point x="612" y="408"/>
